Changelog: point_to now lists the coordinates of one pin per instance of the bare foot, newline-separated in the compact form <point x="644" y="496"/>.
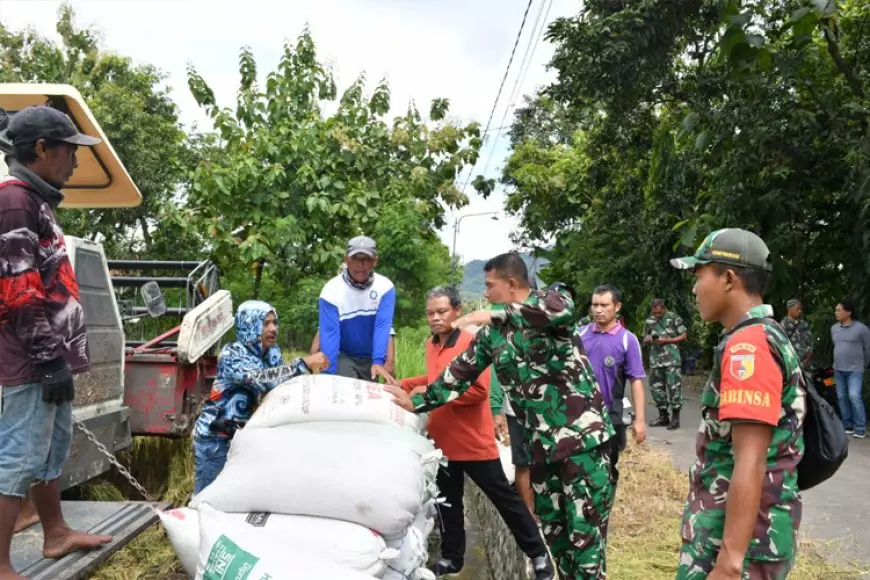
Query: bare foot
<point x="23" y="522"/>
<point x="71" y="541"/>
<point x="26" y="517"/>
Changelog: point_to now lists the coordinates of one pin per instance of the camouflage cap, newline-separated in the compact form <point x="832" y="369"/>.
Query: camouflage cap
<point x="731" y="246"/>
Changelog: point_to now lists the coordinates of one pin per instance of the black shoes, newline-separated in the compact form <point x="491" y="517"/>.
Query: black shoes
<point x="543" y="567"/>
<point x="445" y="568"/>
<point x="663" y="420"/>
<point x="675" y="420"/>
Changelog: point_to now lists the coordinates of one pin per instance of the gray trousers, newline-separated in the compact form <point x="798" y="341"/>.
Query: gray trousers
<point x="354" y="367"/>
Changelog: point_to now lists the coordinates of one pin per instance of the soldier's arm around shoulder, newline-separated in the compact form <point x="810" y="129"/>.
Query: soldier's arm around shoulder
<point x="554" y="309"/>
<point x="752" y="379"/>
<point x="462" y="371"/>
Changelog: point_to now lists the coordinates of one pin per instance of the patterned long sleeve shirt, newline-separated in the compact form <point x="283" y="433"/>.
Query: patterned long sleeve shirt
<point x="234" y="396"/>
<point x="551" y="386"/>
<point x="41" y="315"/>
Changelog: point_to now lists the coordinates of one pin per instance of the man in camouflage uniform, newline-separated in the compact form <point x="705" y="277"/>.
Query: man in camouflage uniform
<point x="798" y="331"/>
<point x="663" y="331"/>
<point x="528" y="338"/>
<point x="743" y="511"/>
<point x="586" y="319"/>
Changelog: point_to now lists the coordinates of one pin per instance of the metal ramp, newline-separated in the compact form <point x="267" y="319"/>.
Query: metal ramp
<point x="121" y="520"/>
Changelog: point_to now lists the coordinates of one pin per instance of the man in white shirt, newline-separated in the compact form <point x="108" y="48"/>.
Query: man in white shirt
<point x="356" y="315"/>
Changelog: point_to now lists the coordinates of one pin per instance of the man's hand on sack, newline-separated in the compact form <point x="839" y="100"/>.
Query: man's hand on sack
<point x="381" y="371"/>
<point x="400" y="397"/>
<point x="56" y="379"/>
<point x="317" y="361"/>
<point x="478" y="318"/>
<point x="501" y="429"/>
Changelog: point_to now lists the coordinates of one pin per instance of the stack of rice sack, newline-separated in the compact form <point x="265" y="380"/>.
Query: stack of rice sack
<point x="329" y="479"/>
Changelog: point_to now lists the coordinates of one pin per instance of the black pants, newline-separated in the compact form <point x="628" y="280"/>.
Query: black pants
<point x="617" y="444"/>
<point x="490" y="478"/>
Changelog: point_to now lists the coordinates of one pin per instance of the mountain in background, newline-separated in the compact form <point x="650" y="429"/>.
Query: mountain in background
<point x="473" y="282"/>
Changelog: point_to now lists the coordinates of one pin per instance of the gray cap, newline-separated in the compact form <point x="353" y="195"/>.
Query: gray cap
<point x="731" y="246"/>
<point x="362" y="245"/>
<point x="792" y="302"/>
<point x="31" y="124"/>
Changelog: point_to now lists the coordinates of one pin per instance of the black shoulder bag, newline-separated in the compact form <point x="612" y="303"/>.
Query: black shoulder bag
<point x="826" y="444"/>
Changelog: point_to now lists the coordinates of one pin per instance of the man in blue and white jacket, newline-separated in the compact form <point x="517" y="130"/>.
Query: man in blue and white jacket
<point x="356" y="315"/>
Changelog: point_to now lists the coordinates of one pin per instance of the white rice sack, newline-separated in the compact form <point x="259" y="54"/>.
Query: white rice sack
<point x="339" y="542"/>
<point x="331" y="398"/>
<point x="182" y="527"/>
<point x="237" y="553"/>
<point x="431" y="457"/>
<point x="374" y="483"/>
<point x="425" y="520"/>
<point x="413" y="554"/>
<point x="401" y="436"/>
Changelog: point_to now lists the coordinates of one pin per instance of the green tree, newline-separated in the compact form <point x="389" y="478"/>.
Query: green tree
<point x="691" y="116"/>
<point x="135" y="111"/>
<point x="292" y="184"/>
<point x="412" y="256"/>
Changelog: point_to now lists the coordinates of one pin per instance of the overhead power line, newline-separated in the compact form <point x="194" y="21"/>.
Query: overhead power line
<point x="525" y="65"/>
<point x="503" y="81"/>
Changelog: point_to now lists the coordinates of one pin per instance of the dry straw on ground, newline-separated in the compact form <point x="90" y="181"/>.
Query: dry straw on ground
<point x="645" y="527"/>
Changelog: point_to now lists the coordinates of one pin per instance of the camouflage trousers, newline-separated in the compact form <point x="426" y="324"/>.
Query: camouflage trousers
<point x="573" y="498"/>
<point x="697" y="566"/>
<point x="666" y="385"/>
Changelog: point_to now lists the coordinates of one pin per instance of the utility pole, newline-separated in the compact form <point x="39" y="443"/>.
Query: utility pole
<point x="494" y="215"/>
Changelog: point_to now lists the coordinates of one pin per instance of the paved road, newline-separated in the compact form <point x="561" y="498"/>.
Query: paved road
<point x="836" y="513"/>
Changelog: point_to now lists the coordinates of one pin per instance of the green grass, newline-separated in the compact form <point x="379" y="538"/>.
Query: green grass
<point x="644" y="533"/>
<point x="410" y="352"/>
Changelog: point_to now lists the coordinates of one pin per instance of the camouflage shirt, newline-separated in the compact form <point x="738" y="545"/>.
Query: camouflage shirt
<point x="668" y="326"/>
<point x="800" y="335"/>
<point x="755" y="378"/>
<point x="551" y="386"/>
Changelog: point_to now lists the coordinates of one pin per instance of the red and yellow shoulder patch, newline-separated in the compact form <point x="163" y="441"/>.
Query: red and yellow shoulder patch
<point x="750" y="383"/>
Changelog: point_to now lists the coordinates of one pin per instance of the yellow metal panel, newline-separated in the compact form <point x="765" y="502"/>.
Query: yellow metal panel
<point x="100" y="181"/>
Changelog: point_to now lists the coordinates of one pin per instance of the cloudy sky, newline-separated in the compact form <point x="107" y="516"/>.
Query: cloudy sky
<point x="426" y="48"/>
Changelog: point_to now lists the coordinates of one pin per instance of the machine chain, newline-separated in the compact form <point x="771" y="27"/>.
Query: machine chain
<point x="108" y="455"/>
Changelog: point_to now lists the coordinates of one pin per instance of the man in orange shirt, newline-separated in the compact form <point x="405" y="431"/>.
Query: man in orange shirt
<point x="463" y="430"/>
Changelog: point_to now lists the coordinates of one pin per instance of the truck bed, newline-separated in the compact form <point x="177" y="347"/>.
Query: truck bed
<point x="122" y="520"/>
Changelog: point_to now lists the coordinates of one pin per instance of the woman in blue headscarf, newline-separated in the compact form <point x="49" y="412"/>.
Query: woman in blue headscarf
<point x="234" y="398"/>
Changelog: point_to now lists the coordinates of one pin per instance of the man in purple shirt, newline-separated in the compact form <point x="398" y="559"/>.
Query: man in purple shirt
<point x="615" y="356"/>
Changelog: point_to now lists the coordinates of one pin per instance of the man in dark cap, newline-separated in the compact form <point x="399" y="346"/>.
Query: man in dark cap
<point x="43" y="340"/>
<point x="743" y="512"/>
